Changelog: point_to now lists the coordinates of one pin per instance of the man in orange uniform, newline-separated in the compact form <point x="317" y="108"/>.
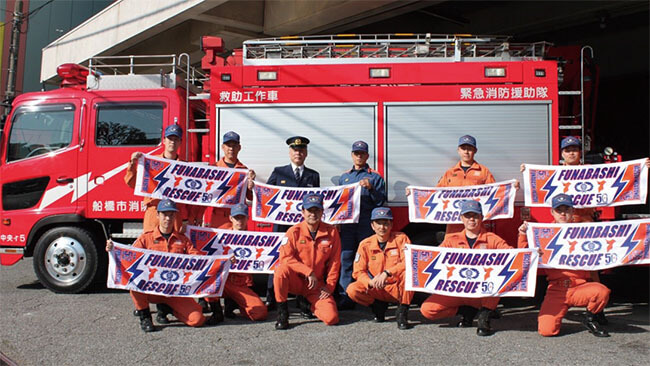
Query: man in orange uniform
<point x="219" y="217"/>
<point x="474" y="236"/>
<point x="238" y="284"/>
<point x="379" y="269"/>
<point x="309" y="264"/>
<point x="568" y="288"/>
<point x="164" y="238"/>
<point x="466" y="173"/>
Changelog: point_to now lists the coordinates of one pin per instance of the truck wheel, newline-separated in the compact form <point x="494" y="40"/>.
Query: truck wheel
<point x="65" y="259"/>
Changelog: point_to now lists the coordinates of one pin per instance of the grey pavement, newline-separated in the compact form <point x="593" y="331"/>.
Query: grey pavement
<point x="40" y="327"/>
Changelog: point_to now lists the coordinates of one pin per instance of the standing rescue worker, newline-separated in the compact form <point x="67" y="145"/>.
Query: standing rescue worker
<point x="238" y="285"/>
<point x="379" y="269"/>
<point x="467" y="172"/>
<point x="474" y="236"/>
<point x="164" y="238"/>
<point x="309" y="264"/>
<point x="373" y="194"/>
<point x="296" y="174"/>
<point x="568" y="288"/>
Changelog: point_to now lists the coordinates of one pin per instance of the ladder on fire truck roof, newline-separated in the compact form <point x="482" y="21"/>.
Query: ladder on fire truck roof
<point x="575" y="94"/>
<point x="130" y="72"/>
<point x="403" y="47"/>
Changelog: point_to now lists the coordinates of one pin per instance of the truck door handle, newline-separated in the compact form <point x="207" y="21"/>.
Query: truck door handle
<point x="64" y="180"/>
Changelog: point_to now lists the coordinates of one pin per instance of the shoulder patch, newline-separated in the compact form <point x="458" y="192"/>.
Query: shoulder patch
<point x="284" y="241"/>
<point x="357" y="257"/>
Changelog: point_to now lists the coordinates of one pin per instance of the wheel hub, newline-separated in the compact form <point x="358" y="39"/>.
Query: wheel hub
<point x="65" y="259"/>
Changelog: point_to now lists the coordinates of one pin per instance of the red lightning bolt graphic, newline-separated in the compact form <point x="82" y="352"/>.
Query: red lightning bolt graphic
<point x="610" y="244"/>
<point x="186" y="277"/>
<point x="572" y="246"/>
<point x="488" y="270"/>
<point x="208" y="186"/>
<point x="601" y="184"/>
<point x="177" y="181"/>
<point x="259" y="252"/>
<point x="566" y="186"/>
<point x="450" y="271"/>
<point x="444" y="204"/>
<point x="288" y="206"/>
<point x="226" y="250"/>
<point x="152" y="272"/>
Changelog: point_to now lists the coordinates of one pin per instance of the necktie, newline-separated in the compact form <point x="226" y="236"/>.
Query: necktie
<point x="297" y="171"/>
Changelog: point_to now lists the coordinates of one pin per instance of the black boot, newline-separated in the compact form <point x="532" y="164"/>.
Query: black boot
<point x="589" y="321"/>
<point x="484" y="328"/>
<point x="217" y="313"/>
<point x="402" y="316"/>
<point x="305" y="307"/>
<point x="283" y="316"/>
<point x="600" y="318"/>
<point x="229" y="308"/>
<point x="204" y="305"/>
<point x="467" y="314"/>
<point x="161" y="314"/>
<point x="270" y="299"/>
<point x="379" y="309"/>
<point x="146" y="324"/>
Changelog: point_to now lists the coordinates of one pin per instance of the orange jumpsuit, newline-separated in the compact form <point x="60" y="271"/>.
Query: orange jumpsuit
<point x="301" y="256"/>
<point x="456" y="177"/>
<point x="218" y="217"/>
<point x="372" y="261"/>
<point x="150" y="221"/>
<point x="441" y="306"/>
<point x="185" y="308"/>
<point x="566" y="288"/>
<point x="238" y="288"/>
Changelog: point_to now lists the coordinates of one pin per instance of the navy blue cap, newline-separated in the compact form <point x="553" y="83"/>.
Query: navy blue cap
<point x="298" y="141"/>
<point x="230" y="136"/>
<point x="239" y="209"/>
<point x="312" y="200"/>
<point x="562" y="200"/>
<point x="470" y="206"/>
<point x="174" y="130"/>
<point x="381" y="213"/>
<point x="166" y="205"/>
<point x="359" y="146"/>
<point x="569" y="141"/>
<point x="467" y="140"/>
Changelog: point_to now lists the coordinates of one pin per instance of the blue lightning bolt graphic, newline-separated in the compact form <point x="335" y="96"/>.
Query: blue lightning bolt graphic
<point x="430" y="204"/>
<point x="274" y="205"/>
<point x="335" y="205"/>
<point x="432" y="271"/>
<point x="549" y="187"/>
<point x="275" y="253"/>
<point x="629" y="243"/>
<point x="208" y="248"/>
<point x="507" y="273"/>
<point x="491" y="202"/>
<point x="203" y="277"/>
<point x="134" y="271"/>
<point x="554" y="246"/>
<point x="160" y="178"/>
<point x="618" y="183"/>
<point x="225" y="186"/>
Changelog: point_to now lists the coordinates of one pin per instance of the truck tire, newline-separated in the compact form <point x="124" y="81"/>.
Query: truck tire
<point x="65" y="259"/>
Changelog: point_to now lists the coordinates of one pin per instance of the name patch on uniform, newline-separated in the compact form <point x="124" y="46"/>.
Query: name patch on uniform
<point x="166" y="274"/>
<point x="393" y="252"/>
<point x="441" y="205"/>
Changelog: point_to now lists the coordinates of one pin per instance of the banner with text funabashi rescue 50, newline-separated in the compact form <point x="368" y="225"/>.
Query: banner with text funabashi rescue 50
<point x="191" y="183"/>
<point x="166" y="274"/>
<point x="256" y="252"/>
<point x="471" y="272"/>
<point x="591" y="246"/>
<point x="440" y="205"/>
<point x="601" y="185"/>
<point x="283" y="205"/>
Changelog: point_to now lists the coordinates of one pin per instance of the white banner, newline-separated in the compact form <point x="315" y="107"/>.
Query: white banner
<point x="191" y="183"/>
<point x="441" y="205"/>
<point x="166" y="274"/>
<point x="471" y="272"/>
<point x="283" y="205"/>
<point x="591" y="246"/>
<point x="601" y="185"/>
<point x="256" y="252"/>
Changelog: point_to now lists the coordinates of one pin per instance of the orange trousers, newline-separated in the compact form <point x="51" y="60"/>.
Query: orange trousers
<point x="286" y="281"/>
<point x="440" y="306"/>
<point x="186" y="309"/>
<point x="392" y="292"/>
<point x="559" y="298"/>
<point x="249" y="303"/>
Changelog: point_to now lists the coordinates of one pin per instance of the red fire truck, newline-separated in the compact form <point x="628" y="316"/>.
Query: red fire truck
<point x="63" y="152"/>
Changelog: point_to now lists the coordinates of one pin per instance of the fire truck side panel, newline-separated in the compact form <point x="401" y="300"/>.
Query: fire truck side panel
<point x="38" y="168"/>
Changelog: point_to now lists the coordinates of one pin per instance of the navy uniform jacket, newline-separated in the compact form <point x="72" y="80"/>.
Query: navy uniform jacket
<point x="369" y="199"/>
<point x="285" y="177"/>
